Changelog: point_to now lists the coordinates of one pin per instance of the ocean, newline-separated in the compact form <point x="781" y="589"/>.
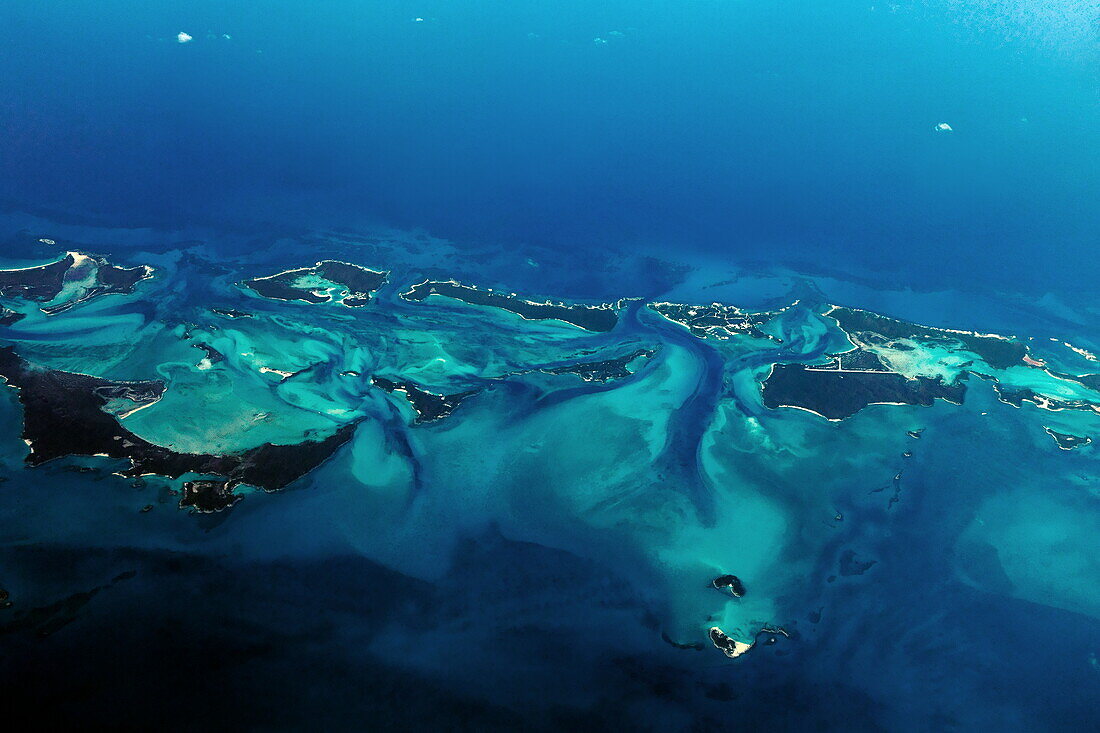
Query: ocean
<point x="544" y="556"/>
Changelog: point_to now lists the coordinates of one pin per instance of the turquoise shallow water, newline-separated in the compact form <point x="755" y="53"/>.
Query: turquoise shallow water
<point x="542" y="556"/>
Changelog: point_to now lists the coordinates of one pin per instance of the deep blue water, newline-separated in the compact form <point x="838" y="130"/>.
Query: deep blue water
<point x="801" y="131"/>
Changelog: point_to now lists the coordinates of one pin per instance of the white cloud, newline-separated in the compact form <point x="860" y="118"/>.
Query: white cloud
<point x="943" y="127"/>
<point x="183" y="37"/>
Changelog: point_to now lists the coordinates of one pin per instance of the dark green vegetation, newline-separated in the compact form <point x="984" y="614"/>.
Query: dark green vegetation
<point x="428" y="405"/>
<point x="714" y="320"/>
<point x="724" y="643"/>
<point x="606" y="370"/>
<point x="1066" y="441"/>
<point x="731" y="584"/>
<point x="88" y="277"/>
<point x="837" y="395"/>
<point x="64" y="415"/>
<point x="589" y="317"/>
<point x="310" y="284"/>
<point x="997" y="351"/>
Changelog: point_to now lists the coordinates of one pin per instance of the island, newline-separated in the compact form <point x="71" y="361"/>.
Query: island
<point x="605" y="370"/>
<point x="715" y="320"/>
<point x="729" y="583"/>
<point x="207" y="497"/>
<point x="213" y="356"/>
<point x="429" y="406"/>
<point x="733" y="648"/>
<point x="231" y="312"/>
<point x="1066" y="441"/>
<point x="837" y="394"/>
<point x="69" y="414"/>
<point x="730" y="647"/>
<point x="598" y="318"/>
<point x="328" y="280"/>
<point x="75" y="278"/>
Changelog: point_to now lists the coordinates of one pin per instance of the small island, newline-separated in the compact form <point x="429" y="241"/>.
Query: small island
<point x="716" y="320"/>
<point x="231" y="313"/>
<point x="606" y="370"/>
<point x="1066" y="441"/>
<point x="213" y="356"/>
<point x="730" y="647"/>
<point x="1017" y="396"/>
<point x="429" y="406"/>
<point x="729" y="583"/>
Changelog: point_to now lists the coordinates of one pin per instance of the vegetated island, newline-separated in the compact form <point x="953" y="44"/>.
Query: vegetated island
<point x="714" y="320"/>
<point x="231" y="312"/>
<point x="605" y="370"/>
<point x="733" y="648"/>
<point x="350" y="285"/>
<point x="599" y="318"/>
<point x="838" y="394"/>
<point x="730" y="584"/>
<point x="1066" y="441"/>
